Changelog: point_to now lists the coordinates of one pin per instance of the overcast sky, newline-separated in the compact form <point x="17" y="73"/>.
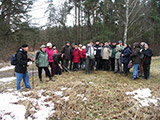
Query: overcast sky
<point x="39" y="17"/>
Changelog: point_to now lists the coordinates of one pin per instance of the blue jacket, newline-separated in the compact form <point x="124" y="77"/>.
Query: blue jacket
<point x="126" y="55"/>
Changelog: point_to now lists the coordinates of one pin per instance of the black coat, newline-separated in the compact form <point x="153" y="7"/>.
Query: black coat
<point x="66" y="52"/>
<point x="98" y="50"/>
<point x="126" y="55"/>
<point x="147" y="55"/>
<point x="136" y="59"/>
<point x="71" y="52"/>
<point x="22" y="59"/>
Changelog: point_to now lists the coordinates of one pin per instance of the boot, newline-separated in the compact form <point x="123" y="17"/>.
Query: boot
<point x="40" y="80"/>
<point x="51" y="79"/>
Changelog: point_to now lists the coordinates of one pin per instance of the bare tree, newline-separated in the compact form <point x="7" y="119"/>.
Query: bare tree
<point x="134" y="11"/>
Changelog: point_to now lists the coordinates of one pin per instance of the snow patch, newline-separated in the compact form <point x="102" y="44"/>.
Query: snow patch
<point x="7" y="68"/>
<point x="7" y="79"/>
<point x="65" y="98"/>
<point x="42" y="107"/>
<point x="63" y="89"/>
<point x="10" y="111"/>
<point x="59" y="93"/>
<point x="144" y="97"/>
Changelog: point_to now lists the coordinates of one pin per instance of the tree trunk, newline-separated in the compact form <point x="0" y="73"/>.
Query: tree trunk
<point x="126" y="22"/>
<point x="104" y="12"/>
<point x="76" y="21"/>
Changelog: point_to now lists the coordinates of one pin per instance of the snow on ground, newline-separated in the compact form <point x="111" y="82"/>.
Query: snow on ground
<point x="7" y="68"/>
<point x="144" y="97"/>
<point x="59" y="93"/>
<point x="42" y="108"/>
<point x="7" y="79"/>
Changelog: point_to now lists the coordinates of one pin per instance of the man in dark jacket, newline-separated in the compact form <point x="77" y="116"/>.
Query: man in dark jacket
<point x="147" y="52"/>
<point x="71" y="53"/>
<point x="136" y="60"/>
<point x="21" y="67"/>
<point x="97" y="49"/>
<point x="66" y="55"/>
<point x="113" y="48"/>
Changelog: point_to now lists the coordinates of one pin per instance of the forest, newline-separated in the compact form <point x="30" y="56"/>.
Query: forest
<point x="105" y="20"/>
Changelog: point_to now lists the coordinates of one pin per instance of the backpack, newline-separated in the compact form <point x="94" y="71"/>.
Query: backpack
<point x="14" y="59"/>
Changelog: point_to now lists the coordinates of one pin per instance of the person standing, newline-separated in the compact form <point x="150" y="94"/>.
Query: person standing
<point x="66" y="55"/>
<point x="118" y="64"/>
<point x="101" y="61"/>
<point x="97" y="49"/>
<point x="89" y="57"/>
<point x="136" y="60"/>
<point x="126" y="58"/>
<point x="106" y="54"/>
<point x="147" y="52"/>
<point x="71" y="54"/>
<point x="42" y="63"/>
<point x="21" y="67"/>
<point x="113" y="48"/>
<point x="76" y="58"/>
<point x="49" y="51"/>
<point x="55" y="51"/>
<point x="83" y="57"/>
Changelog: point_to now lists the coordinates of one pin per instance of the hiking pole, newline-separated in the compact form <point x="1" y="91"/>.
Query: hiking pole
<point x="66" y="69"/>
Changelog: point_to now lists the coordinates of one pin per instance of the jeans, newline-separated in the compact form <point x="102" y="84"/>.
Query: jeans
<point x="25" y="78"/>
<point x="118" y="65"/>
<point x="135" y="70"/>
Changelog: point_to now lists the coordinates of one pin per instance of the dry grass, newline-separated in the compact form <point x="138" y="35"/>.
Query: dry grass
<point x="100" y="96"/>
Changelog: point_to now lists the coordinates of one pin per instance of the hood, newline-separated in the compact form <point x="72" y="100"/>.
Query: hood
<point x="136" y="45"/>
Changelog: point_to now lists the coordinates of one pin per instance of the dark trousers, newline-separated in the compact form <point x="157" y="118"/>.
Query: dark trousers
<point x="75" y="66"/>
<point x="97" y="62"/>
<point x="71" y="64"/>
<point x="146" y="70"/>
<point x="101" y="63"/>
<point x="66" y="63"/>
<point x="125" y="68"/>
<point x="89" y="64"/>
<point x="106" y="64"/>
<point x="57" y="69"/>
<point x="46" y="71"/>
<point x="51" y="64"/>
<point x="112" y="64"/>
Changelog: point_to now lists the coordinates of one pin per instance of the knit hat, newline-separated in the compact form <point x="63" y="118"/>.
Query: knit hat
<point x="42" y="46"/>
<point x="80" y="45"/>
<point x="120" y="41"/>
<point x="67" y="42"/>
<point x="83" y="47"/>
<point x="97" y="40"/>
<point x="49" y="44"/>
<point x="24" y="45"/>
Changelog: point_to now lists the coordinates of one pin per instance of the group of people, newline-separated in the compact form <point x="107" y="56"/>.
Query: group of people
<point x="99" y="56"/>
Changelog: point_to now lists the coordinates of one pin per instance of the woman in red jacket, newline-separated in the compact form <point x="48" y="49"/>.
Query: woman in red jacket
<point x="83" y="57"/>
<point x="76" y="58"/>
<point x="49" y="50"/>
